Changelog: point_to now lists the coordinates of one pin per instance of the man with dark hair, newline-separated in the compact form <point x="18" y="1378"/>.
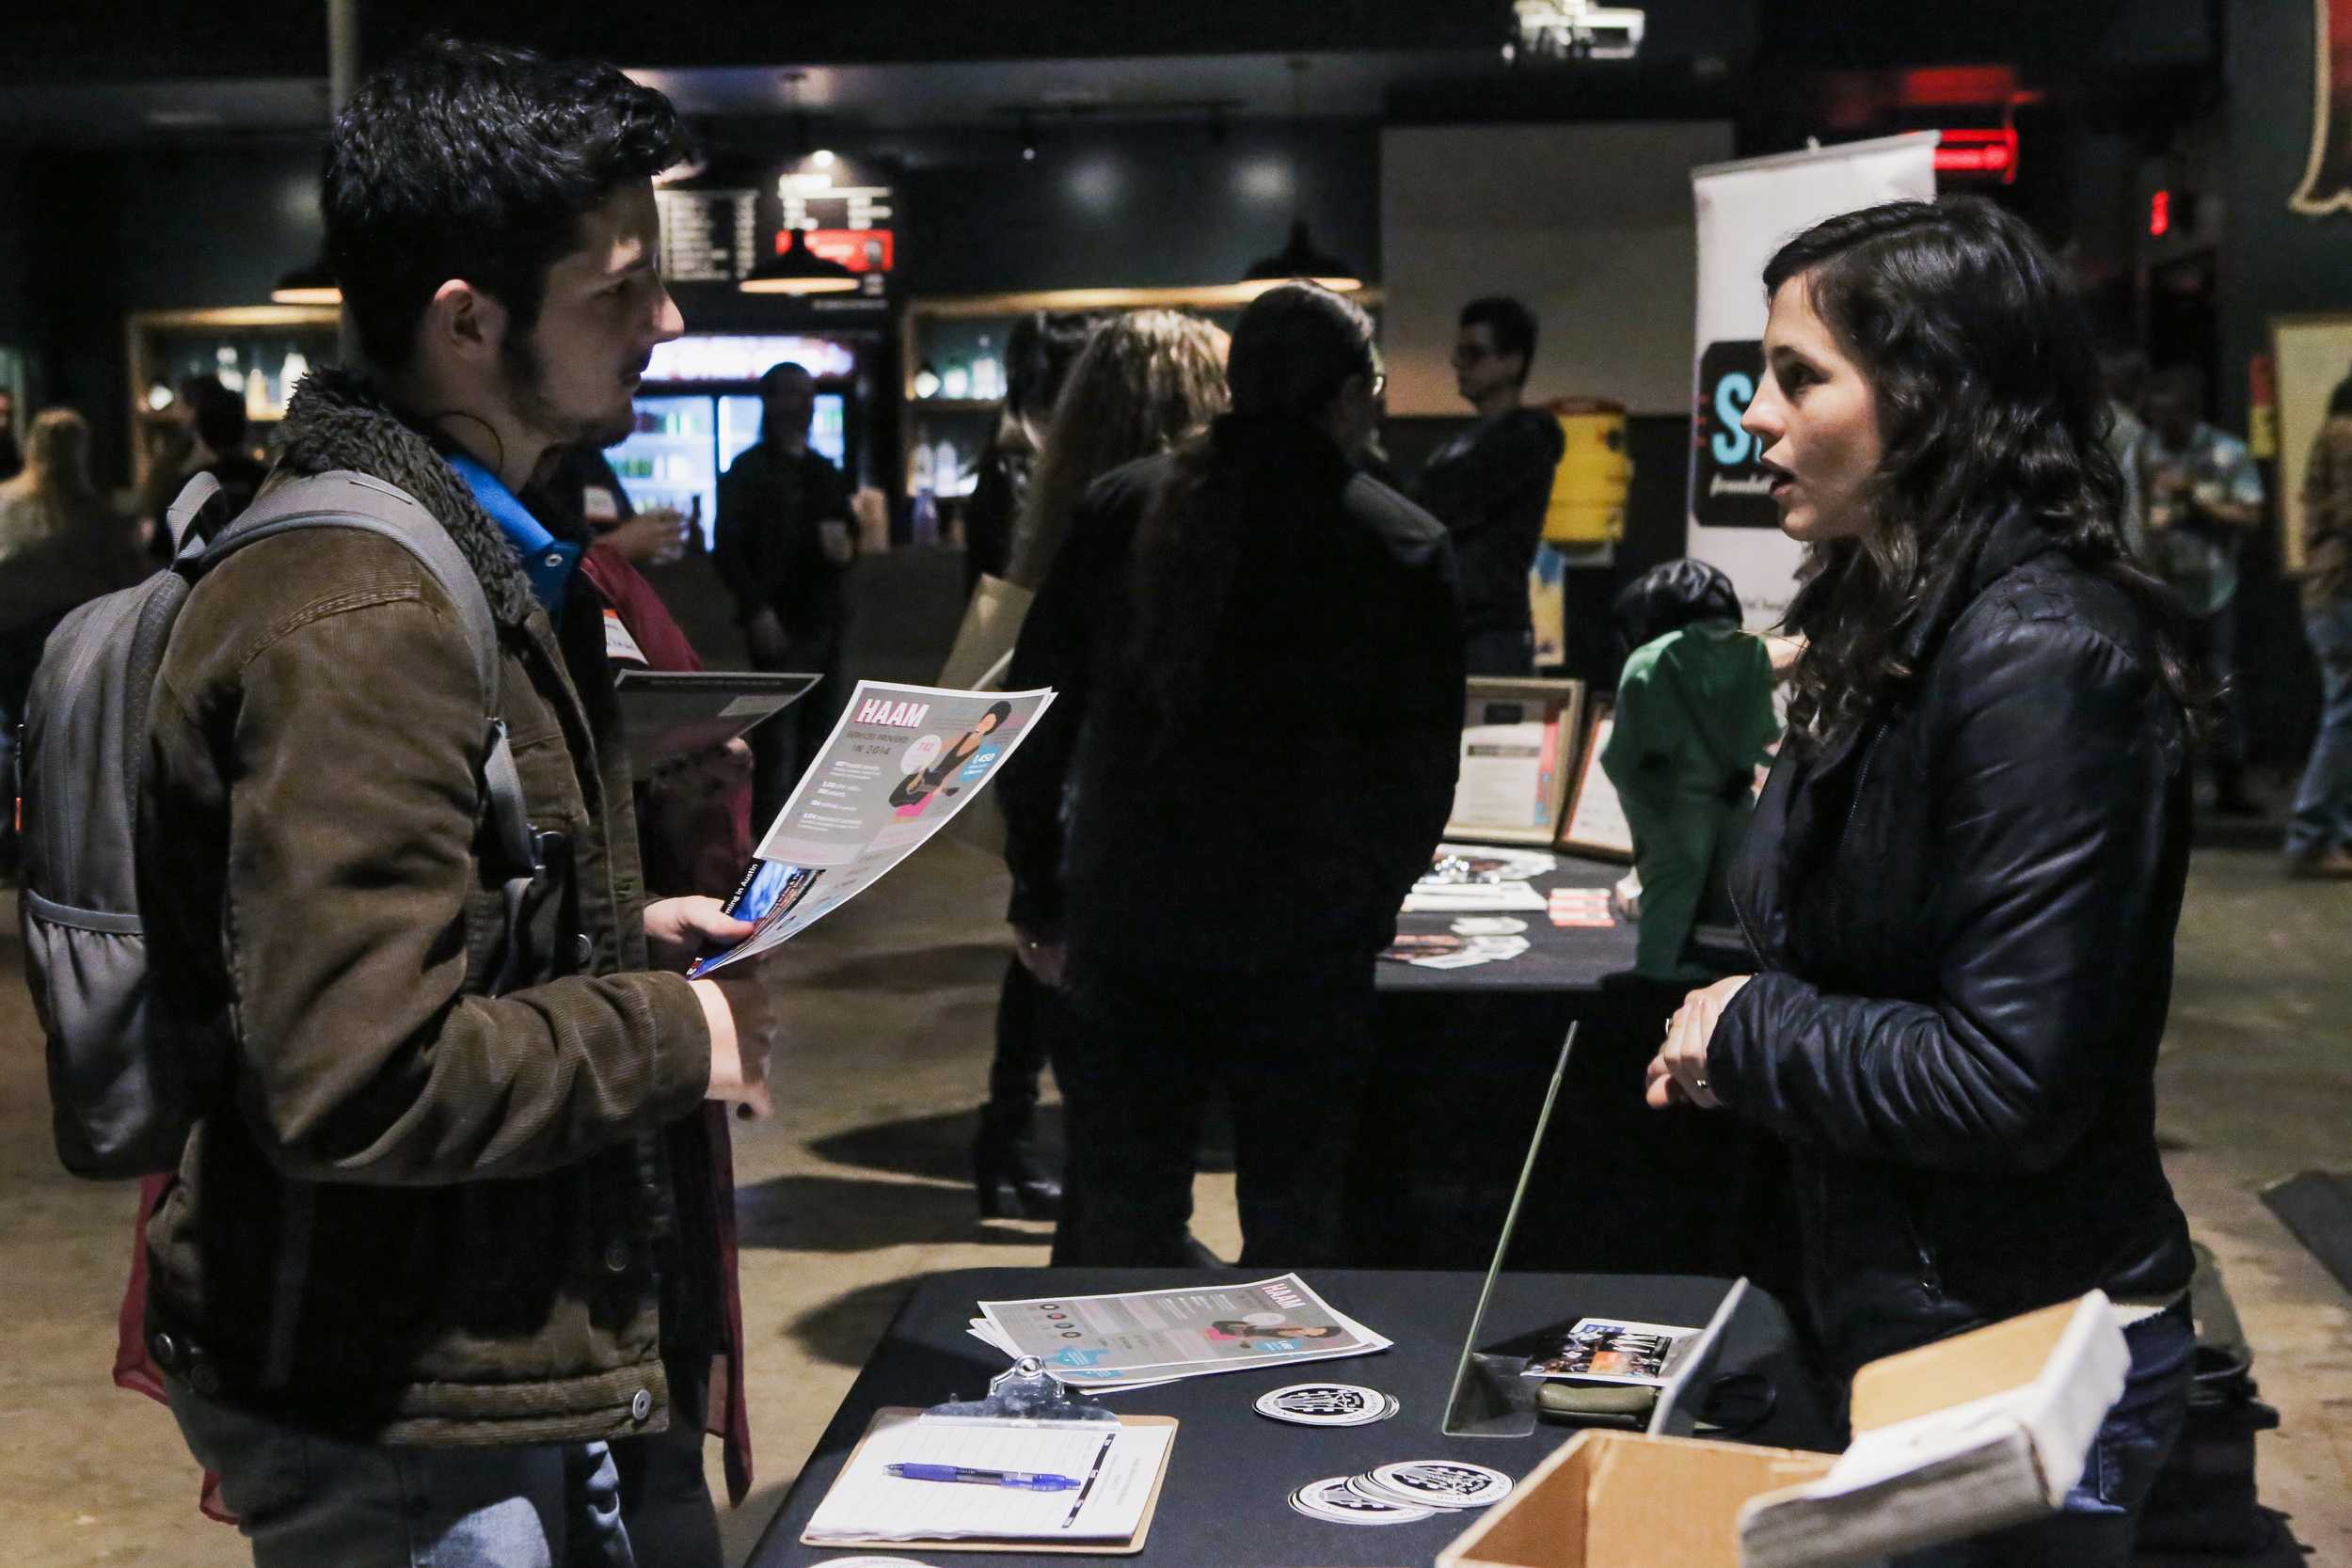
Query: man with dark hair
<point x="2201" y="494"/>
<point x="1038" y="357"/>
<point x="442" y="1230"/>
<point x="785" y="546"/>
<point x="1490" y="484"/>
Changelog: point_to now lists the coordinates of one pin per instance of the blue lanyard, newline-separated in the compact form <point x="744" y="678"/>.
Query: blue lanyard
<point x="546" y="561"/>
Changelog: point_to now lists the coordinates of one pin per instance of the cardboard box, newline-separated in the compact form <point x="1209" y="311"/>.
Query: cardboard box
<point x="1617" y="1499"/>
<point x="1968" y="1434"/>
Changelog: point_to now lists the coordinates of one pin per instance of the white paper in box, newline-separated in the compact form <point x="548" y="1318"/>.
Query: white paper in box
<point x="1955" y="1439"/>
<point x="1983" y="1430"/>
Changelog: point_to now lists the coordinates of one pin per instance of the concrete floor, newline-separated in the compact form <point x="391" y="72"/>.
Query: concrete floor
<point x="856" y="1189"/>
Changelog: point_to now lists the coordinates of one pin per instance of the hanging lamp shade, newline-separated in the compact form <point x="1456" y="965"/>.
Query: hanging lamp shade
<point x="1300" y="258"/>
<point x="797" y="269"/>
<point x="311" y="284"/>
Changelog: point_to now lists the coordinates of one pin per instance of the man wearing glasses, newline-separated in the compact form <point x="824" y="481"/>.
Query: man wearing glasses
<point x="1490" y="484"/>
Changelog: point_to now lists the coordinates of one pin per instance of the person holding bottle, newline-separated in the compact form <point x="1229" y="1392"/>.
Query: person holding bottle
<point x="784" y="547"/>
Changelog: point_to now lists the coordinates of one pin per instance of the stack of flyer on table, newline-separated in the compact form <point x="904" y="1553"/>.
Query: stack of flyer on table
<point x="1104" y="1343"/>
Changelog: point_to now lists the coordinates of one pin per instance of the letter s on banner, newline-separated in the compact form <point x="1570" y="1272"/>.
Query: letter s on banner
<point x="1746" y="209"/>
<point x="1734" y="391"/>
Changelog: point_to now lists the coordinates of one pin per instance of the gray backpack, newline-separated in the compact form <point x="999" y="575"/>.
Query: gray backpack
<point x="127" y="1079"/>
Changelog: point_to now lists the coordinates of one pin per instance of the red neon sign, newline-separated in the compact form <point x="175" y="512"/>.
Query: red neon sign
<point x="2160" y="215"/>
<point x="858" y="249"/>
<point x="1987" y="153"/>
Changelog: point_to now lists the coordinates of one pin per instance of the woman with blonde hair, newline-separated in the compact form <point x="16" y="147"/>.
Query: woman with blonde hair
<point x="60" y="546"/>
<point x="1258" y="648"/>
<point x="1144" y="382"/>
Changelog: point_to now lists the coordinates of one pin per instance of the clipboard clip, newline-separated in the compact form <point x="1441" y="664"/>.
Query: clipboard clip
<point x="1024" y="1392"/>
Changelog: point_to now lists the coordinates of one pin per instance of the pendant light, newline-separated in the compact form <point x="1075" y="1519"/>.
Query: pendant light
<point x="306" y="285"/>
<point x="794" y="269"/>
<point x="1299" y="257"/>
<point x="312" y="283"/>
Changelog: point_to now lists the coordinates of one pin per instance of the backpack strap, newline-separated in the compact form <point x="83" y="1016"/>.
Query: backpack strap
<point x="346" y="498"/>
<point x="180" y="517"/>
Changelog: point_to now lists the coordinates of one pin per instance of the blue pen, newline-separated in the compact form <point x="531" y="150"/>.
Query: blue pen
<point x="1031" y="1481"/>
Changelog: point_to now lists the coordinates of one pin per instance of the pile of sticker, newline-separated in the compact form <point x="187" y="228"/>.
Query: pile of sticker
<point x="1585" y="907"/>
<point x="1403" y="1493"/>
<point x="1328" y="1405"/>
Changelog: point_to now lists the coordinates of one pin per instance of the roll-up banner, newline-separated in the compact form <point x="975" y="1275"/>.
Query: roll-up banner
<point x="1745" y="211"/>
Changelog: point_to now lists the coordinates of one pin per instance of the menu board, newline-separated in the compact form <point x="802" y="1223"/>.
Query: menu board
<point x="844" y="208"/>
<point x="709" y="236"/>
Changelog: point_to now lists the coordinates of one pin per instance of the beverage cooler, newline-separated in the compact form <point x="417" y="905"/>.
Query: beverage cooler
<point x="698" y="409"/>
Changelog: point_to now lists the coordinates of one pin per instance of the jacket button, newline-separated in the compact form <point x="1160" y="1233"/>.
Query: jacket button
<point x="616" y="1257"/>
<point x="583" y="949"/>
<point x="640" y="1406"/>
<point x="163" y="1347"/>
<point x="204" y="1379"/>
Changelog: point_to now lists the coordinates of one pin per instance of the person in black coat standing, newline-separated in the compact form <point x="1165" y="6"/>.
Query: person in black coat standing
<point x="1258" y="653"/>
<point x="785" y="546"/>
<point x="1491" y="484"/>
<point x="1964" y="878"/>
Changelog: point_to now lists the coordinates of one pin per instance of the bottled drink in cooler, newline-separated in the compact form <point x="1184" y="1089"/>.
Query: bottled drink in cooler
<point x="988" y="372"/>
<point x="291" y="372"/>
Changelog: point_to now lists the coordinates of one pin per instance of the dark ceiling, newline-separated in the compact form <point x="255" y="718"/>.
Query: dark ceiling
<point x="115" y="69"/>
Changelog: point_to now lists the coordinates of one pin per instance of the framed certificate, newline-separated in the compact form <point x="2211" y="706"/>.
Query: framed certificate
<point x="1518" y="750"/>
<point x="2311" y="355"/>
<point x="1595" y="823"/>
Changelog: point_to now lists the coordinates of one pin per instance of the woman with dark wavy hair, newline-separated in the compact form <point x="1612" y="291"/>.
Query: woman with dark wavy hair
<point x="1962" y="880"/>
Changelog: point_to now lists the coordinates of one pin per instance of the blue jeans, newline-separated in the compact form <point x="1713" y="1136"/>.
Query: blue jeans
<point x="2320" y="819"/>
<point x="306" y="1500"/>
<point x="2094" y="1527"/>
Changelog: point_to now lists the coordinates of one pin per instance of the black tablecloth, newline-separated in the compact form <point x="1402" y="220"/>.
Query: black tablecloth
<point x="1455" y="1073"/>
<point x="1558" y="958"/>
<point x="1231" y="1470"/>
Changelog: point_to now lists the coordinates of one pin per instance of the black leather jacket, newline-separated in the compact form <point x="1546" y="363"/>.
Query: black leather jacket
<point x="1323" y="754"/>
<point x="1966" y="915"/>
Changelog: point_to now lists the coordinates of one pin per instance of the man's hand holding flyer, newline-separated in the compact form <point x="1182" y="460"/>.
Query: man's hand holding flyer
<point x="899" y="764"/>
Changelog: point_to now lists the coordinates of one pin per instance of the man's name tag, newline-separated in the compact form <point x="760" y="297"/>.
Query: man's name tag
<point x="619" y="646"/>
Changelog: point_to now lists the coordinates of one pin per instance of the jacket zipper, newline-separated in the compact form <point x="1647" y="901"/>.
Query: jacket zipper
<point x="1869" y="754"/>
<point x="1869" y="751"/>
<point x="1931" y="1276"/>
<point x="1754" y="947"/>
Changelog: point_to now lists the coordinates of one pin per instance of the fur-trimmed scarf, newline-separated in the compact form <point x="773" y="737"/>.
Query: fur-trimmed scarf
<point x="339" y="419"/>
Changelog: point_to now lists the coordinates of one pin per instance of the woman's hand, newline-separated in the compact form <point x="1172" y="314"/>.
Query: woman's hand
<point x="679" y="930"/>
<point x="1679" y="1073"/>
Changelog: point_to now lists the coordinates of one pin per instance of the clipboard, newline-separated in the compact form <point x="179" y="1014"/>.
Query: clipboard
<point x="669" y="714"/>
<point x="1128" y="1547"/>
